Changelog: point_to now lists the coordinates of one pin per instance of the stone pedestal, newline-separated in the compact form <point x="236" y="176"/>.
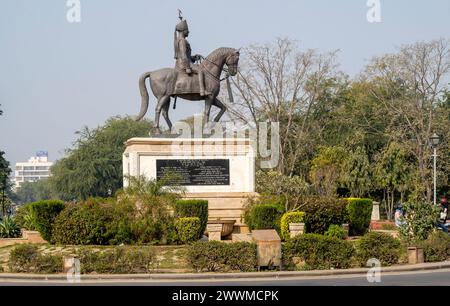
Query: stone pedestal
<point x="375" y="211"/>
<point x="220" y="170"/>
<point x="346" y="229"/>
<point x="415" y="255"/>
<point x="268" y="247"/>
<point x="214" y="231"/>
<point x="296" y="229"/>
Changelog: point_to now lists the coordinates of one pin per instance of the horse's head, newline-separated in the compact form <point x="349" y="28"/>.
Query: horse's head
<point x="232" y="62"/>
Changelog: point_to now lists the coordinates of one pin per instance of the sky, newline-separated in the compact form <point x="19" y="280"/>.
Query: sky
<point x="57" y="76"/>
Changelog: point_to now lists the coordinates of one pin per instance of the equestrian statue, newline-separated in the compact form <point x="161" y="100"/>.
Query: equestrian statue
<point x="194" y="78"/>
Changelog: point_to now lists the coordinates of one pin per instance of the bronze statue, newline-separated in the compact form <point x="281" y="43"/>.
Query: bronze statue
<point x="188" y="80"/>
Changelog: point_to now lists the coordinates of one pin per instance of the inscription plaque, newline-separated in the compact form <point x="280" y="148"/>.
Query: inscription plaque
<point x="195" y="172"/>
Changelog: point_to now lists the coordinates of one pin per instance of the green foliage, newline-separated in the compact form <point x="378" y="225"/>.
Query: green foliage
<point x="34" y="191"/>
<point x="193" y="208"/>
<point x="119" y="260"/>
<point x="215" y="256"/>
<point x="264" y="216"/>
<point x="44" y="215"/>
<point x="377" y="245"/>
<point x="5" y="184"/>
<point x="9" y="228"/>
<point x="93" y="167"/>
<point x="188" y="229"/>
<point x="24" y="217"/>
<point x="83" y="223"/>
<point x="26" y="258"/>
<point x="327" y="170"/>
<point x="359" y="214"/>
<point x="290" y="217"/>
<point x="436" y="247"/>
<point x="335" y="231"/>
<point x="321" y="212"/>
<point x="319" y="252"/>
<point x="418" y="221"/>
<point x="357" y="172"/>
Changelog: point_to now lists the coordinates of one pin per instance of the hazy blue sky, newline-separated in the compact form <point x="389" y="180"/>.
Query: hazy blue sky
<point x="56" y="77"/>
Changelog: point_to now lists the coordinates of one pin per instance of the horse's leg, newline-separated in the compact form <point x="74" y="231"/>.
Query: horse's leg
<point x="222" y="107"/>
<point x="159" y="106"/>
<point x="207" y="111"/>
<point x="165" y="113"/>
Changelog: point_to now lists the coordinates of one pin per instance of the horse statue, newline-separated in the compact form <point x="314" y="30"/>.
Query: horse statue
<point x="169" y="83"/>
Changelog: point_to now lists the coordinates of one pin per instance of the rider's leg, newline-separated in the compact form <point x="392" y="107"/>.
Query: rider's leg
<point x="201" y="78"/>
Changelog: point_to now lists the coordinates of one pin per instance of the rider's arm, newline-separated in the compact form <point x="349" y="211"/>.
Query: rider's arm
<point x="183" y="54"/>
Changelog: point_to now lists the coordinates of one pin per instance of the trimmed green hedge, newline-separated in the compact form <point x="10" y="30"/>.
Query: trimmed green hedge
<point x="321" y="212"/>
<point x="359" y="214"/>
<point x="188" y="229"/>
<point x="26" y="258"/>
<point x="335" y="231"/>
<point x="381" y="246"/>
<point x="290" y="217"/>
<point x="44" y="214"/>
<point x="215" y="256"/>
<point x="319" y="252"/>
<point x="436" y="247"/>
<point x="192" y="208"/>
<point x="264" y="216"/>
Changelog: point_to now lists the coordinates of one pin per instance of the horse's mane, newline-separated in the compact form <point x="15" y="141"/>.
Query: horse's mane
<point x="219" y="52"/>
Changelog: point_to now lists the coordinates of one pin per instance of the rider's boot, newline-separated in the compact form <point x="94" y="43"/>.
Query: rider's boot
<point x="201" y="82"/>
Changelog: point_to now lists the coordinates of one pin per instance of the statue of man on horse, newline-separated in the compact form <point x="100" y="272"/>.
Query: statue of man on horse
<point x="188" y="80"/>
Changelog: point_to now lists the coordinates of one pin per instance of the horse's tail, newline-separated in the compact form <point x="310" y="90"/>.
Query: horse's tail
<point x="144" y="95"/>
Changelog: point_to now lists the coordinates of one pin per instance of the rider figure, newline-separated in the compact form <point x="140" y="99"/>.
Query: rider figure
<point x="184" y="60"/>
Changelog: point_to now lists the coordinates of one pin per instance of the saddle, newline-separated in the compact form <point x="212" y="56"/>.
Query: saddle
<point x="186" y="84"/>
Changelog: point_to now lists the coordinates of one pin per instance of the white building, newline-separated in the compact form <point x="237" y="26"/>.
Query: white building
<point x="37" y="168"/>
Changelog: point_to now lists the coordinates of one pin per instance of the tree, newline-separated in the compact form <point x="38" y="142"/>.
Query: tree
<point x="34" y="191"/>
<point x="327" y="170"/>
<point x="5" y="184"/>
<point x="392" y="173"/>
<point x="93" y="167"/>
<point x="356" y="173"/>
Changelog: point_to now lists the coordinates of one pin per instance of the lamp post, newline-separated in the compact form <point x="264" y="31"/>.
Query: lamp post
<point x="434" y="140"/>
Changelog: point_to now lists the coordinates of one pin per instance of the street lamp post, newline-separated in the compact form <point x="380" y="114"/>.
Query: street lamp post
<point x="434" y="140"/>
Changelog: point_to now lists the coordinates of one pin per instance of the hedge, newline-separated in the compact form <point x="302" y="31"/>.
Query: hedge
<point x="321" y="212"/>
<point x="44" y="214"/>
<point x="26" y="258"/>
<point x="264" y="216"/>
<point x="192" y="208"/>
<point x="188" y="229"/>
<point x="215" y="256"/>
<point x="359" y="214"/>
<point x="290" y="217"/>
<point x="436" y="247"/>
<point x="335" y="231"/>
<point x="381" y="246"/>
<point x="319" y="252"/>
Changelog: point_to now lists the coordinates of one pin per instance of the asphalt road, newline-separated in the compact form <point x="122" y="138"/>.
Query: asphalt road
<point x="417" y="278"/>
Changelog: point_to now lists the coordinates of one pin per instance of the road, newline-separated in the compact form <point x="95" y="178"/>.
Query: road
<point x="416" y="278"/>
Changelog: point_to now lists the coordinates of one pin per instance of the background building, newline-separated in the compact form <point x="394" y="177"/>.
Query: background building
<point x="36" y="168"/>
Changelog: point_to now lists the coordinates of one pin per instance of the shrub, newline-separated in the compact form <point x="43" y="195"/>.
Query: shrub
<point x="24" y="217"/>
<point x="436" y="247"/>
<point x="83" y="223"/>
<point x="335" y="231"/>
<point x="290" y="217"/>
<point x="193" y="208"/>
<point x="359" y="213"/>
<point x="418" y="221"/>
<point x="9" y="228"/>
<point x="264" y="216"/>
<point x="44" y="215"/>
<point x="381" y="246"/>
<point x="188" y="229"/>
<point x="319" y="252"/>
<point x="215" y="256"/>
<point x="27" y="258"/>
<point x="119" y="260"/>
<point x="321" y="212"/>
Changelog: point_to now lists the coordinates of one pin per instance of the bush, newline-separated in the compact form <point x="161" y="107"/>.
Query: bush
<point x="44" y="215"/>
<point x="215" y="256"/>
<point x="321" y="212"/>
<point x="436" y="247"/>
<point x="9" y="228"/>
<point x="290" y="217"/>
<point x="24" y="217"/>
<point x="335" y="231"/>
<point x="119" y="260"/>
<point x="193" y="208"/>
<point x="26" y="258"/>
<point x="319" y="252"/>
<point x="83" y="223"/>
<point x="359" y="213"/>
<point x="418" y="221"/>
<point x="264" y="216"/>
<point x="381" y="246"/>
<point x="188" y="229"/>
